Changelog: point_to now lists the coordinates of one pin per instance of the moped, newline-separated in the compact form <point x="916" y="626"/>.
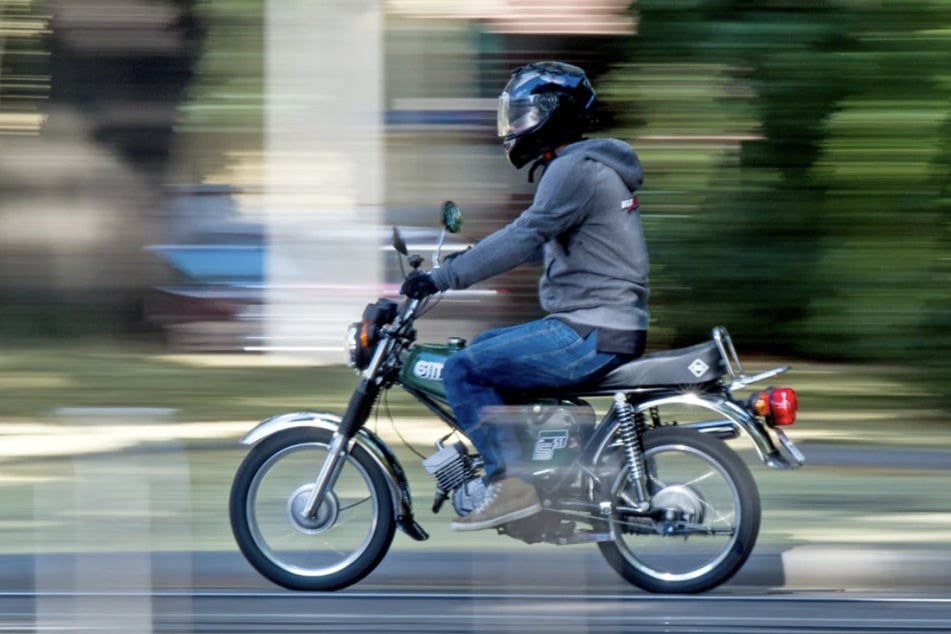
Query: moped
<point x="671" y="505"/>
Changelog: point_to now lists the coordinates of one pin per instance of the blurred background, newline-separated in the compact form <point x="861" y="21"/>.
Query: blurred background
<point x="196" y="198"/>
<point x="221" y="174"/>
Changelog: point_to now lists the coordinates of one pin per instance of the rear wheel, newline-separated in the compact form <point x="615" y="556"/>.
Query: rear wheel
<point x="345" y="540"/>
<point x="704" y="518"/>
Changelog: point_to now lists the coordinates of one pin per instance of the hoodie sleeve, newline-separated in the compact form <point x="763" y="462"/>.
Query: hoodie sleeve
<point x="558" y="205"/>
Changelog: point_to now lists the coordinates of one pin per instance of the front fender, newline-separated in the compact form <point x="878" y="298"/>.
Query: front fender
<point x="369" y="441"/>
<point x="281" y="422"/>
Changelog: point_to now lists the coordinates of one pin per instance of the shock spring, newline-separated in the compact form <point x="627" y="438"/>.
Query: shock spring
<point x="631" y="433"/>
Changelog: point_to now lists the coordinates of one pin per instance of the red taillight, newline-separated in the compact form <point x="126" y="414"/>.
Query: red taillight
<point x="777" y="404"/>
<point x="783" y="405"/>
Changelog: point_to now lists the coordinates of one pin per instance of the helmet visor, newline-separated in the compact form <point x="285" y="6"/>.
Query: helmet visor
<point x="520" y="114"/>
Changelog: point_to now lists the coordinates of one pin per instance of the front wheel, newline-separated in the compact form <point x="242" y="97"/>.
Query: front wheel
<point x="344" y="541"/>
<point x="704" y="517"/>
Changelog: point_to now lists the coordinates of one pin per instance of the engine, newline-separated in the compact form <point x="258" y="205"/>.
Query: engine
<point x="456" y="473"/>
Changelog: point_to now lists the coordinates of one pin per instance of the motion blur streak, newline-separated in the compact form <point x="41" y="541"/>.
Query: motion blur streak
<point x="24" y="80"/>
<point x="205" y="176"/>
<point x="599" y="17"/>
<point x="780" y="143"/>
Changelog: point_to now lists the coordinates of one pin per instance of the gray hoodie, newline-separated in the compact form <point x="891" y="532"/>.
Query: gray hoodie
<point x="585" y="219"/>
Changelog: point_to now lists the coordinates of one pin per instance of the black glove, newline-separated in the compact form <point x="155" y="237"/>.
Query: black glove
<point x="418" y="285"/>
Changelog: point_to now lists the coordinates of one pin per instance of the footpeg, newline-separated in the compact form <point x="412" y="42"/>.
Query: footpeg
<point x="412" y="528"/>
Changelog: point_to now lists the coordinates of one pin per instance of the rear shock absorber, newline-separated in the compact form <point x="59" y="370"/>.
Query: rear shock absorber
<point x="633" y="449"/>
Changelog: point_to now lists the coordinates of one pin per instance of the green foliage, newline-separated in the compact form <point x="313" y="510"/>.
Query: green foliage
<point x="814" y="219"/>
<point x="223" y="114"/>
<point x="798" y="173"/>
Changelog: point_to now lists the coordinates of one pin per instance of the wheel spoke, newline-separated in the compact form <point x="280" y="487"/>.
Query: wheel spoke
<point x="355" y="504"/>
<point x="327" y="544"/>
<point x="340" y="542"/>
<point x="704" y="517"/>
<point x="699" y="479"/>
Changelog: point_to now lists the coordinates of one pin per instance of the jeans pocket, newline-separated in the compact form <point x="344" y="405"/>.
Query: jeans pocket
<point x="565" y="336"/>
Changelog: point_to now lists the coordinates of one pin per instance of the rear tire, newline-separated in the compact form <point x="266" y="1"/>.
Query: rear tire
<point x="349" y="536"/>
<point x="702" y="481"/>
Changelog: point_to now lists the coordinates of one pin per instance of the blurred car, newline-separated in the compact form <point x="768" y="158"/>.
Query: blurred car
<point x="215" y="283"/>
<point x="214" y="295"/>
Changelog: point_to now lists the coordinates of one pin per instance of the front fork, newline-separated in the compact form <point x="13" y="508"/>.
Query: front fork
<point x="357" y="412"/>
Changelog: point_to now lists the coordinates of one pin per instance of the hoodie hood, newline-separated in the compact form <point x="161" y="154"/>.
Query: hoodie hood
<point x="613" y="153"/>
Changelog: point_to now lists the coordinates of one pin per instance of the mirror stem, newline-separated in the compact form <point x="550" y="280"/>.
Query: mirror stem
<point x="442" y="238"/>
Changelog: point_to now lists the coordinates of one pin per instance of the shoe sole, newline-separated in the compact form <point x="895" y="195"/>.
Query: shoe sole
<point x="511" y="516"/>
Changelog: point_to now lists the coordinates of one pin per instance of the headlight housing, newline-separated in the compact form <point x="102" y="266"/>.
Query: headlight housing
<point x="352" y="345"/>
<point x="362" y="336"/>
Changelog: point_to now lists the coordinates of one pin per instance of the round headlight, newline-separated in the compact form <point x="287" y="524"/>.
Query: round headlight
<point x="352" y="345"/>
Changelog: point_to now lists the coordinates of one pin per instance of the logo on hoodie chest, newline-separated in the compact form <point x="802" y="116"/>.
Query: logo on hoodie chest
<point x="629" y="204"/>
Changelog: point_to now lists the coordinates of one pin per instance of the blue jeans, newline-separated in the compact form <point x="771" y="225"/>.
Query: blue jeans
<point x="537" y="354"/>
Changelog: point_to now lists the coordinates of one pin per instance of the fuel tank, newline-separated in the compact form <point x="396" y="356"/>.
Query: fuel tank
<point x="422" y="369"/>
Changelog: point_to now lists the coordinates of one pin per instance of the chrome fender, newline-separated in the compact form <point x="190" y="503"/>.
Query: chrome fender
<point x="369" y="441"/>
<point x="735" y="420"/>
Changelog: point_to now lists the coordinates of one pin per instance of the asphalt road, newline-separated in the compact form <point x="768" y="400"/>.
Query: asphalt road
<point x="515" y="613"/>
<point x="552" y="590"/>
<point x="834" y="579"/>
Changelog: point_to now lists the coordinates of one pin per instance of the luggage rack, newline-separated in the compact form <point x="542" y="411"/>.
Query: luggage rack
<point x="739" y="378"/>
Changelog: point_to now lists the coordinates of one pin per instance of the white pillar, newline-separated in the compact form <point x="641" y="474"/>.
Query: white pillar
<point x="96" y="526"/>
<point x="323" y="170"/>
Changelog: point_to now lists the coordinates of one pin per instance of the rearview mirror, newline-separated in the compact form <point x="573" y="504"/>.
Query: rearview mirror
<point x="399" y="243"/>
<point x="451" y="217"/>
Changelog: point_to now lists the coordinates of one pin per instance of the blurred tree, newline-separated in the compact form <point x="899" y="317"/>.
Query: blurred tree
<point x="747" y="257"/>
<point x="93" y="87"/>
<point x="126" y="74"/>
<point x="824" y="230"/>
<point x="220" y="125"/>
<point x="886" y="173"/>
<point x="936" y="307"/>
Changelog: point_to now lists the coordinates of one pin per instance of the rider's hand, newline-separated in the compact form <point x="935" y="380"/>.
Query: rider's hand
<point x="418" y="286"/>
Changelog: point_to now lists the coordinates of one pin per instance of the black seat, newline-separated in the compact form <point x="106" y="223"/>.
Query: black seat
<point x="695" y="365"/>
<point x="658" y="371"/>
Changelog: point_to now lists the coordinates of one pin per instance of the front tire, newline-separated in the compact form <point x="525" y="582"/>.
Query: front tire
<point x="351" y="532"/>
<point x="707" y="515"/>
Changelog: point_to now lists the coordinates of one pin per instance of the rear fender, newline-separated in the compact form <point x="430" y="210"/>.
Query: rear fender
<point x="733" y="421"/>
<point x="366" y="439"/>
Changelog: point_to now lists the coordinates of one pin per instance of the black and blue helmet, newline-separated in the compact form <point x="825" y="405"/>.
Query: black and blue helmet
<point x="542" y="107"/>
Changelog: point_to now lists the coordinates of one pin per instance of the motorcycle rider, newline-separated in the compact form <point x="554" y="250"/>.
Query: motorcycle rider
<point x="585" y="220"/>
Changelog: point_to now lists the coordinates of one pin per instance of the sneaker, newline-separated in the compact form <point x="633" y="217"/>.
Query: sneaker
<point x="505" y="501"/>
